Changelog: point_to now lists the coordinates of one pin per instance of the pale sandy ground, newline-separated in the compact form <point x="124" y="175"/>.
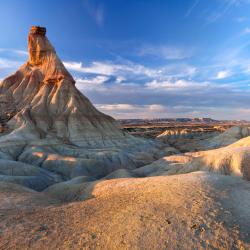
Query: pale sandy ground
<point x="199" y="210"/>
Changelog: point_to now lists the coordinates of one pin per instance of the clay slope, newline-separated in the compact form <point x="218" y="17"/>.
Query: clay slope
<point x="230" y="136"/>
<point x="230" y="160"/>
<point x="192" y="211"/>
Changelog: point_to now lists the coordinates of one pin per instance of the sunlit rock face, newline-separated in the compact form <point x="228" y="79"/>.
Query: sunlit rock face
<point x="49" y="123"/>
<point x="39" y="47"/>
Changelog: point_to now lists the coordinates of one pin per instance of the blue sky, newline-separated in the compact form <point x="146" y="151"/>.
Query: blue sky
<point x="143" y="59"/>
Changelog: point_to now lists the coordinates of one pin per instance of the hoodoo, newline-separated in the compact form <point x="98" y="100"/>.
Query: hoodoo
<point x="49" y="123"/>
<point x="45" y="102"/>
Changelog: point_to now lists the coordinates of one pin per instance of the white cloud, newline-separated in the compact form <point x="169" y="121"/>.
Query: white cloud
<point x="117" y="107"/>
<point x="120" y="79"/>
<point x="96" y="80"/>
<point x="174" y="85"/>
<point x="157" y="108"/>
<point x="223" y="74"/>
<point x="91" y="83"/>
<point x="121" y="111"/>
<point x="94" y="68"/>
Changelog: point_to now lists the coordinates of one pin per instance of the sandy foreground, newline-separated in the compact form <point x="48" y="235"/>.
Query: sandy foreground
<point x="191" y="211"/>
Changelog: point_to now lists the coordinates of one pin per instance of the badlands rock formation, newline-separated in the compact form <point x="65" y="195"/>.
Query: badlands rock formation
<point x="187" y="140"/>
<point x="54" y="141"/>
<point x="45" y="103"/>
<point x="230" y="160"/>
<point x="230" y="136"/>
<point x="49" y="124"/>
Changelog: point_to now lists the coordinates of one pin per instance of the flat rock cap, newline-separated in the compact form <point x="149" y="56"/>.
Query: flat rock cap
<point x="37" y="30"/>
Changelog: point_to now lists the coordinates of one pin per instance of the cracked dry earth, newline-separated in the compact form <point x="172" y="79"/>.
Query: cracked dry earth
<point x="191" y="211"/>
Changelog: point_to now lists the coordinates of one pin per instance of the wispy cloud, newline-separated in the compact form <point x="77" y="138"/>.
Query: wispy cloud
<point x="233" y="61"/>
<point x="8" y="66"/>
<point x="241" y="19"/>
<point x="189" y="11"/>
<point x="6" y="63"/>
<point x="219" y="9"/>
<point x="95" y="10"/>
<point x="246" y="30"/>
<point x="14" y="51"/>
<point x="96" y="80"/>
<point x="222" y="8"/>
<point x="129" y="69"/>
<point x="10" y="60"/>
<point x="110" y="68"/>
<point x="174" y="85"/>
<point x="166" y="52"/>
<point x="99" y="15"/>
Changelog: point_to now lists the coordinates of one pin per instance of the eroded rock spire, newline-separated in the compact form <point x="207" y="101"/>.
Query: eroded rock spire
<point x="38" y="45"/>
<point x="43" y="55"/>
<point x="46" y="103"/>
